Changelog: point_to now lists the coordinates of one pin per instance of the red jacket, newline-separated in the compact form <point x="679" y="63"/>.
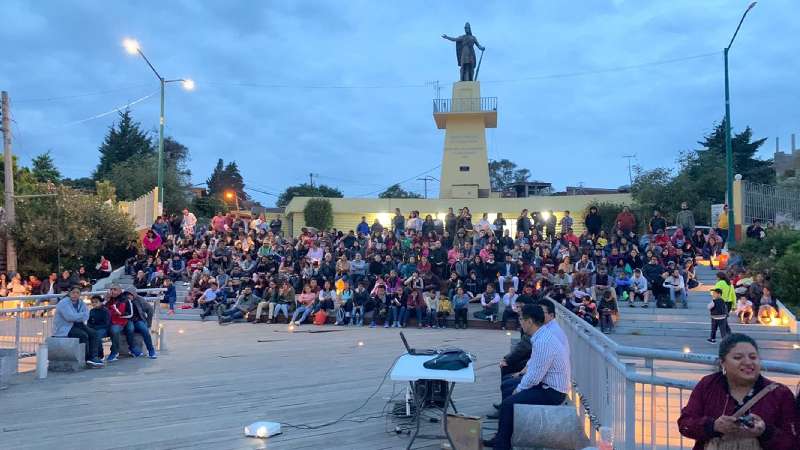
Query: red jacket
<point x="120" y="314"/>
<point x="627" y="220"/>
<point x="710" y="400"/>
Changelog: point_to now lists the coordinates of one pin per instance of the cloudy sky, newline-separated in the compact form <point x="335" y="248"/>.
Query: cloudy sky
<point x="343" y="88"/>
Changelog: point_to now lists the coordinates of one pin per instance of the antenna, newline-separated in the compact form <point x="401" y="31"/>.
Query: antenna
<point x="630" y="173"/>
<point x="437" y="89"/>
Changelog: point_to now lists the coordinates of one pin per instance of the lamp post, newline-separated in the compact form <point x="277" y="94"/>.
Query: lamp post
<point x="132" y="47"/>
<point x="728" y="146"/>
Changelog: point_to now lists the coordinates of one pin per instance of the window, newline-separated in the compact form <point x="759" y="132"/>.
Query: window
<point x="464" y="168"/>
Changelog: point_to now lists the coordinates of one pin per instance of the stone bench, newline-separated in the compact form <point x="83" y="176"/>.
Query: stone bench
<point x="543" y="427"/>
<point x="65" y="354"/>
<point x="8" y="365"/>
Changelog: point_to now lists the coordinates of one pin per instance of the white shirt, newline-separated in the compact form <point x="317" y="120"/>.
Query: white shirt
<point x="549" y="363"/>
<point x="510" y="300"/>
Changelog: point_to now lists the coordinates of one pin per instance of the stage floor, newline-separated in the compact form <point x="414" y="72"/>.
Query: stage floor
<point x="216" y="379"/>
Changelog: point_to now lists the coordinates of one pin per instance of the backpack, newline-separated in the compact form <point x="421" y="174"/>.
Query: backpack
<point x="320" y="317"/>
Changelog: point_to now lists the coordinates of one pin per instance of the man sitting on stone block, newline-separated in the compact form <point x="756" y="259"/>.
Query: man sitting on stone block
<point x="70" y="321"/>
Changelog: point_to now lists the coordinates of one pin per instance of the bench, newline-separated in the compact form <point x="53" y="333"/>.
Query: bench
<point x="65" y="354"/>
<point x="547" y="427"/>
<point x="8" y="365"/>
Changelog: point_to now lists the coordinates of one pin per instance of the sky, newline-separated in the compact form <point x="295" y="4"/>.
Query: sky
<point x="343" y="89"/>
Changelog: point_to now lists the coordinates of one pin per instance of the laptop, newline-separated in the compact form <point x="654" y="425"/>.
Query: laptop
<point x="414" y="351"/>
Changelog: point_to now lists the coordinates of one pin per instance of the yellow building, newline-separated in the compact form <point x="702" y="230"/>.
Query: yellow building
<point x="464" y="177"/>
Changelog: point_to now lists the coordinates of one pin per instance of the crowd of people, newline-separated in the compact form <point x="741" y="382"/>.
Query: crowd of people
<point x="425" y="271"/>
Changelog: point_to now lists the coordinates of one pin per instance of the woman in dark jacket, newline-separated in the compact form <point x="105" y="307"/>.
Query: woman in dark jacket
<point x="717" y="397"/>
<point x="593" y="222"/>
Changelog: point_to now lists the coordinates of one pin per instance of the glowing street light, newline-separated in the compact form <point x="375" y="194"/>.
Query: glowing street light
<point x="132" y="46"/>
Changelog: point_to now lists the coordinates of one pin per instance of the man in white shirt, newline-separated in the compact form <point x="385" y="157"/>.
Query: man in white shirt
<point x="638" y="288"/>
<point x="510" y="310"/>
<point x="547" y="377"/>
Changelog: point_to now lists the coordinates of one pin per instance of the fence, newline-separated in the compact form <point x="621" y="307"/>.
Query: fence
<point x="770" y="204"/>
<point x="611" y="390"/>
<point x="143" y="210"/>
<point x="478" y="104"/>
<point x="27" y="326"/>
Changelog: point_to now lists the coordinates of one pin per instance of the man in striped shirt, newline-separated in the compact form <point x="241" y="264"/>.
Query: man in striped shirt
<point x="547" y="376"/>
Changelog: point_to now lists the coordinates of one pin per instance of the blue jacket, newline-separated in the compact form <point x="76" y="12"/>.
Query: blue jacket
<point x="67" y="314"/>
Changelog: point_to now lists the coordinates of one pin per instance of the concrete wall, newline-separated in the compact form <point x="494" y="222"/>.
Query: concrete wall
<point x="347" y="212"/>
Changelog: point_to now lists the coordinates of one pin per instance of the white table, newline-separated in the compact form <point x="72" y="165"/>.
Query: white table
<point x="410" y="368"/>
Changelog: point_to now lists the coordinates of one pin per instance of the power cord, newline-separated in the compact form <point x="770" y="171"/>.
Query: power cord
<point x="342" y="417"/>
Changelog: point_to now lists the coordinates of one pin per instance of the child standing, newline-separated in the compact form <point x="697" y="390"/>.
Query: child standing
<point x="171" y="295"/>
<point x="432" y="302"/>
<point x="445" y="308"/>
<point x="460" y="304"/>
<point x="719" y="316"/>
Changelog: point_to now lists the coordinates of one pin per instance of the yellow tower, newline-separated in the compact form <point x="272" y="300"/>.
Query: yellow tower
<point x="465" y="163"/>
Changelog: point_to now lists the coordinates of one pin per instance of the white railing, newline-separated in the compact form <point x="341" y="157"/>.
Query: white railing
<point x="29" y="325"/>
<point x="611" y="389"/>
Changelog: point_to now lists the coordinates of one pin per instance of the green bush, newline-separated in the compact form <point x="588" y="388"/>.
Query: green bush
<point x="318" y="213"/>
<point x="77" y="227"/>
<point x="786" y="276"/>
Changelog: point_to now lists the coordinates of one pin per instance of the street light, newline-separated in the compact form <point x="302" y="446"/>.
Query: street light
<point x="231" y="195"/>
<point x="728" y="146"/>
<point x="132" y="46"/>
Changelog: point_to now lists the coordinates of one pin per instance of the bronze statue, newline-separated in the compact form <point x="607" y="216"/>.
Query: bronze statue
<point x="466" y="54"/>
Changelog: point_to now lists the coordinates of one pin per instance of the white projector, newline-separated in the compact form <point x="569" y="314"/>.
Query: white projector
<point x="262" y="429"/>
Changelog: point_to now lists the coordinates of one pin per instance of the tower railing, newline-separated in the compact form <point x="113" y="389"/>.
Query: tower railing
<point x="464" y="105"/>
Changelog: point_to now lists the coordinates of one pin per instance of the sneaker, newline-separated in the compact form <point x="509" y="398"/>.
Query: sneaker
<point x="95" y="363"/>
<point x="153" y="355"/>
<point x="112" y="357"/>
<point x="645" y="305"/>
<point x="171" y="312"/>
<point x="711" y="341"/>
<point x="386" y="325"/>
<point x="135" y="354"/>
<point x="631" y="305"/>
<point x="372" y="325"/>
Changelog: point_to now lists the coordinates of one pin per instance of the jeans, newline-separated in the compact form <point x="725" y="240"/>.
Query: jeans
<point x="86" y="336"/>
<point x="537" y="395"/>
<point x="115" y="330"/>
<point x="682" y="292"/>
<point x="722" y="325"/>
<point x="431" y="317"/>
<point x="101" y="333"/>
<point x="233" y="314"/>
<point x="302" y="312"/>
<point x="140" y="326"/>
<point x="396" y="315"/>
<point x="460" y="317"/>
<point x="507" y="385"/>
<point x="276" y="308"/>
<point x="358" y="311"/>
<point x="171" y="301"/>
<point x="420" y="313"/>
<point x="606" y="321"/>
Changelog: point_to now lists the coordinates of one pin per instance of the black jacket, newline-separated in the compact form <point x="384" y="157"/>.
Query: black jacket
<point x="593" y="223"/>
<point x="520" y="354"/>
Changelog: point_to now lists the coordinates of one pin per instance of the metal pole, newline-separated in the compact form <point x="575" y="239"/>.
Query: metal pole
<point x="729" y="158"/>
<point x="8" y="160"/>
<point x="630" y="407"/>
<point x="161" y="150"/>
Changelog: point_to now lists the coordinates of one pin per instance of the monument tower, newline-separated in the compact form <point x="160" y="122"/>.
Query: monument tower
<point x="465" y="117"/>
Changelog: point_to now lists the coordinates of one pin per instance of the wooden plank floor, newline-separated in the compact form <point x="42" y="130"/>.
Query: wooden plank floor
<point x="215" y="379"/>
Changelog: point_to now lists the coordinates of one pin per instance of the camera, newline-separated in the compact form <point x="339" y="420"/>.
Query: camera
<point x="746" y="420"/>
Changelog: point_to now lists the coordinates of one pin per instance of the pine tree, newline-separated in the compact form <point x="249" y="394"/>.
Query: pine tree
<point x="44" y="169"/>
<point x="123" y="141"/>
<point x="216" y="182"/>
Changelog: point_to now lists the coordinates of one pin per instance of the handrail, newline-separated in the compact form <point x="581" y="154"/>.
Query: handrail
<point x="41" y="297"/>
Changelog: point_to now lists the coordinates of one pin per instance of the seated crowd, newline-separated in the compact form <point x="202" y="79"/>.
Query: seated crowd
<point x="421" y="269"/>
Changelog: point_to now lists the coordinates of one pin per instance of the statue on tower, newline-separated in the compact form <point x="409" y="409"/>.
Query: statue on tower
<point x="465" y="53"/>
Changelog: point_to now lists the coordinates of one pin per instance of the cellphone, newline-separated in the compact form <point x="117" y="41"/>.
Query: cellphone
<point x="746" y="420"/>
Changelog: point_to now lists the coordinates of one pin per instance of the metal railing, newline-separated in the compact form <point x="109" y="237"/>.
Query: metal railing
<point x="465" y="105"/>
<point x="639" y="407"/>
<point x="771" y="204"/>
<point x="29" y="325"/>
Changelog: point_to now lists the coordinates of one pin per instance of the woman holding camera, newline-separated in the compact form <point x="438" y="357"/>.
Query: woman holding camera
<point x="738" y="404"/>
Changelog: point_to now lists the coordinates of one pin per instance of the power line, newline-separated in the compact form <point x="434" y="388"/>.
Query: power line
<point x="74" y="96"/>
<point x="401" y="182"/>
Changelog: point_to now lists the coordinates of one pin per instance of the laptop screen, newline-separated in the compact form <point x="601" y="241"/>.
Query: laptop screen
<point x="405" y="342"/>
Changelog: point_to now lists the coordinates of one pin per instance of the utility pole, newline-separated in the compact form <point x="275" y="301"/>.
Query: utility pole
<point x="630" y="173"/>
<point x="425" y="179"/>
<point x="311" y="179"/>
<point x="8" y="160"/>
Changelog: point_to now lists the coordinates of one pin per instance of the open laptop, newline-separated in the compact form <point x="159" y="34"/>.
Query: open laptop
<point x="414" y="351"/>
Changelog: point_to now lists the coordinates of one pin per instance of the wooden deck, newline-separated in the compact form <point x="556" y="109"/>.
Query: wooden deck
<point x="216" y="379"/>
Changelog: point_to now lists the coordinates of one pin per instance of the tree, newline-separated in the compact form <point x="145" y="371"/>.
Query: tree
<point x="44" y="169"/>
<point x="306" y="190"/>
<point x="701" y="176"/>
<point x="73" y="226"/>
<point x="122" y="142"/>
<point x="504" y="173"/>
<point x="85" y="184"/>
<point x="318" y="213"/>
<point x="395" y="191"/>
<point x="226" y="178"/>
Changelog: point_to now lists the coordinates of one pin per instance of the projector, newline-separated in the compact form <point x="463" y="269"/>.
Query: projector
<point x="262" y="429"/>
